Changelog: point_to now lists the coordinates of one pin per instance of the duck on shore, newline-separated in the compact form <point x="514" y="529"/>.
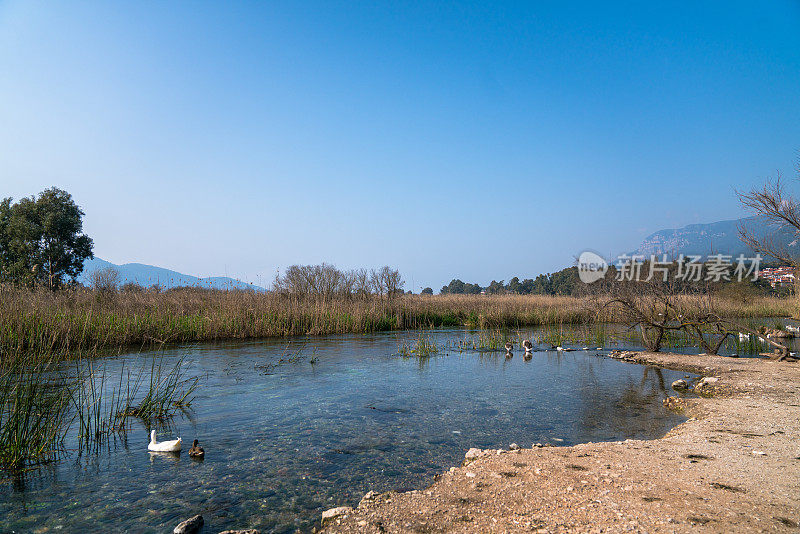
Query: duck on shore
<point x="196" y="451"/>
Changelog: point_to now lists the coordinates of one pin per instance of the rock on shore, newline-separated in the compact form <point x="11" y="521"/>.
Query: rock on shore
<point x="190" y="526"/>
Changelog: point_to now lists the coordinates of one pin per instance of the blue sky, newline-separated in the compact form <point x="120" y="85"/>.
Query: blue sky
<point x="474" y="140"/>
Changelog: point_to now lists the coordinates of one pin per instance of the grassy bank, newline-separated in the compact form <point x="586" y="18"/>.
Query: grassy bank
<point x="47" y="322"/>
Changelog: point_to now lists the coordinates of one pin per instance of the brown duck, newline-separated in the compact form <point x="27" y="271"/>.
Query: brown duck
<point x="196" y="451"/>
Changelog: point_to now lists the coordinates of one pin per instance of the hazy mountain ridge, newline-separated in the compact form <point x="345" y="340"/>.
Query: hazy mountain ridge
<point x="720" y="237"/>
<point x="150" y="275"/>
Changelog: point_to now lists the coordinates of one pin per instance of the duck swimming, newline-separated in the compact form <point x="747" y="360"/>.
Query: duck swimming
<point x="164" y="446"/>
<point x="196" y="451"/>
<point x="527" y="345"/>
<point x="509" y="347"/>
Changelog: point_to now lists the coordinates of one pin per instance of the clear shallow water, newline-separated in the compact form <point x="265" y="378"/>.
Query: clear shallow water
<point x="282" y="447"/>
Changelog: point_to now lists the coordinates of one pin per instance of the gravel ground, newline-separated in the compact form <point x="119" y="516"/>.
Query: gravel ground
<point x="734" y="466"/>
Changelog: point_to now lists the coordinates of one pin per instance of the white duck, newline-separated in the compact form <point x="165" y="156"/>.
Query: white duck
<point x="164" y="446"/>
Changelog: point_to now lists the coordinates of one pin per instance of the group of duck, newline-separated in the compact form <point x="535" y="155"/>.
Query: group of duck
<point x="174" y="445"/>
<point x="528" y="346"/>
<point x="788" y="331"/>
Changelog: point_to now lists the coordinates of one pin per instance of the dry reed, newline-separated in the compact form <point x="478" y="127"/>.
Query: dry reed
<point x="46" y="322"/>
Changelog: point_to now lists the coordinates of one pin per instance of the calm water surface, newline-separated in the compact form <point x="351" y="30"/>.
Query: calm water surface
<point x="285" y="443"/>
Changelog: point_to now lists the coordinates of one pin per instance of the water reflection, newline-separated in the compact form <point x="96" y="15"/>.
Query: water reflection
<point x="283" y="446"/>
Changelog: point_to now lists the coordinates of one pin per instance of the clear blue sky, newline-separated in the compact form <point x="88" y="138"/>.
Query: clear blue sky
<point x="481" y="140"/>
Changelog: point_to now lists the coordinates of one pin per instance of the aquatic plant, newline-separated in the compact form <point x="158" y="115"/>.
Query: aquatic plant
<point x="493" y="340"/>
<point x="290" y="355"/>
<point x="33" y="415"/>
<point x="168" y="390"/>
<point x="422" y="346"/>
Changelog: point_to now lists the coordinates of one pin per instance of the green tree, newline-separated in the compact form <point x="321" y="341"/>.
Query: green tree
<point x="427" y="291"/>
<point x="455" y="286"/>
<point x="527" y="286"/>
<point x="564" y="281"/>
<point x="495" y="287"/>
<point x="472" y="289"/>
<point x="41" y="240"/>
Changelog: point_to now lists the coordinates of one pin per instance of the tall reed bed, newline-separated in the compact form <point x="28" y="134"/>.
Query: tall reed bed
<point x="34" y="412"/>
<point x="49" y="401"/>
<point x="45" y="322"/>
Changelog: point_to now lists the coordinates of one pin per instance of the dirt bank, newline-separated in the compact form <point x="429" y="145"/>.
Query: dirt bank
<point x="734" y="466"/>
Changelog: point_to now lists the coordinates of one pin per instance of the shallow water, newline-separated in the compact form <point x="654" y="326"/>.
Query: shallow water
<point x="287" y="441"/>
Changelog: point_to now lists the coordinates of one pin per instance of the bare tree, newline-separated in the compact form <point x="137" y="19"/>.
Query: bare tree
<point x="650" y="307"/>
<point x="105" y="280"/>
<point x="658" y="306"/>
<point x="387" y="281"/>
<point x="362" y="284"/>
<point x="327" y="281"/>
<point x="772" y="205"/>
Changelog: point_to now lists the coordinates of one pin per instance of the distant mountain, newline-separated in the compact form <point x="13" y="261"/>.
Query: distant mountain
<point x="713" y="238"/>
<point x="149" y="275"/>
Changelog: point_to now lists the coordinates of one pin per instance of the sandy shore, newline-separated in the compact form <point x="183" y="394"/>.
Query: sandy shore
<point x="734" y="466"/>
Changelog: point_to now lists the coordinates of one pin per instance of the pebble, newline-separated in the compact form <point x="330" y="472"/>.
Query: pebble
<point x="470" y="474"/>
<point x="759" y="453"/>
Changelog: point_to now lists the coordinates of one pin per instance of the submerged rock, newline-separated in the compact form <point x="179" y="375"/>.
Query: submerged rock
<point x="674" y="403"/>
<point x="625" y="355"/>
<point x="190" y="526"/>
<point x="680" y="384"/>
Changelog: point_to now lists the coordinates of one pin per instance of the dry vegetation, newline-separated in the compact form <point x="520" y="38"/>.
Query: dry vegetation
<point x="47" y="322"/>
